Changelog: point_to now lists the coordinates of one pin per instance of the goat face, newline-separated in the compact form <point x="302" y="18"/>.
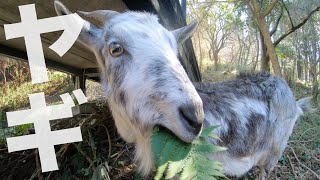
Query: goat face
<point x="142" y="76"/>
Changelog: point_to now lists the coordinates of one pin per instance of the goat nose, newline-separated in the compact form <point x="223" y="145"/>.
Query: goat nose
<point x="189" y="114"/>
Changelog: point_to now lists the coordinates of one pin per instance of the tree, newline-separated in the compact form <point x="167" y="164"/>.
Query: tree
<point x="216" y="21"/>
<point x="260" y="10"/>
<point x="264" y="32"/>
<point x="260" y="16"/>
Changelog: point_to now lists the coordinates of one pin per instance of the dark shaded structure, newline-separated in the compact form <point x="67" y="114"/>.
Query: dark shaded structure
<point x="78" y="61"/>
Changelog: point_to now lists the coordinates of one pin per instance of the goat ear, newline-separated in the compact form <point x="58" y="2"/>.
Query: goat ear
<point x="100" y="16"/>
<point x="89" y="34"/>
<point x="182" y="34"/>
<point x="60" y="8"/>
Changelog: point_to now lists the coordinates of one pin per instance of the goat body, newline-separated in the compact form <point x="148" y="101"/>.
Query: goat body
<point x="256" y="114"/>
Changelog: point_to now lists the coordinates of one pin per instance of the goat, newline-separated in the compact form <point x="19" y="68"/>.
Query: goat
<point x="146" y="85"/>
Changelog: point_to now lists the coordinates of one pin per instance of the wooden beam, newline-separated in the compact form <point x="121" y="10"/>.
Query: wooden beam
<point x="90" y="73"/>
<point x="21" y="55"/>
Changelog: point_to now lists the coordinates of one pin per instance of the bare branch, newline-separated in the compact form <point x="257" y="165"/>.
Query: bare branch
<point x="315" y="174"/>
<point x="277" y="23"/>
<point x="292" y="167"/>
<point x="285" y="7"/>
<point x="294" y="28"/>
<point x="247" y="3"/>
<point x="269" y="8"/>
<point x="255" y="8"/>
<point x="203" y="15"/>
<point x="230" y="1"/>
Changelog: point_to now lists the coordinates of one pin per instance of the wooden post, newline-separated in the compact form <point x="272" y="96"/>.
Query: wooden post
<point x="80" y="83"/>
<point x="184" y="8"/>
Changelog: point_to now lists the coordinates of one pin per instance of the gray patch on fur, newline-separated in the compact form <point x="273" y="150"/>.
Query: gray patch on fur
<point x="155" y="69"/>
<point x="118" y="71"/>
<point x="158" y="96"/>
<point x="160" y="82"/>
<point x="123" y="98"/>
<point x="245" y="134"/>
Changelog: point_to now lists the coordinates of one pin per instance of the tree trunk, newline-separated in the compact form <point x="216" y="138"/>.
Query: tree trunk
<point x="315" y="85"/>
<point x="315" y="91"/>
<point x="306" y="72"/>
<point x="264" y="30"/>
<point x="254" y="67"/>
<point x="265" y="60"/>
<point x="271" y="52"/>
<point x="200" y="52"/>
<point x="299" y="69"/>
<point x="299" y="61"/>
<point x="294" y="69"/>
<point x="216" y="60"/>
<point x="240" y="56"/>
<point x="246" y="55"/>
<point x="319" y="64"/>
<point x="3" y="72"/>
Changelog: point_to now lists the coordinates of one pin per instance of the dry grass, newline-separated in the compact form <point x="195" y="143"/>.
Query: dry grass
<point x="14" y="97"/>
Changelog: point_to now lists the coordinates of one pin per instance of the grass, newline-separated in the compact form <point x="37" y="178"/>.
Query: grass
<point x="305" y="142"/>
<point x="14" y="97"/>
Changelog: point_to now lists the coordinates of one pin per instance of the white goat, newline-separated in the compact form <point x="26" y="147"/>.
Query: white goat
<point x="146" y="86"/>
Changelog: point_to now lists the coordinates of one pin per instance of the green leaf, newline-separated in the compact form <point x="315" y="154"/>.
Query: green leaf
<point x="206" y="131"/>
<point x="189" y="160"/>
<point x="214" y="136"/>
<point x="189" y="171"/>
<point x="203" y="146"/>
<point x="177" y="164"/>
<point x="160" y="171"/>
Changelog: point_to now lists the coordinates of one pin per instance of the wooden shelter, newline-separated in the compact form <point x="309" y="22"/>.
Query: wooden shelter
<point x="78" y="61"/>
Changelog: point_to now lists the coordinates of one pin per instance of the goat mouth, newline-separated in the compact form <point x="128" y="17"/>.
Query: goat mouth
<point x="187" y="139"/>
<point x="191" y="127"/>
<point x="188" y="131"/>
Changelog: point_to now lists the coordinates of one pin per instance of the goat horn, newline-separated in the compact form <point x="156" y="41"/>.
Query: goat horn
<point x="99" y="15"/>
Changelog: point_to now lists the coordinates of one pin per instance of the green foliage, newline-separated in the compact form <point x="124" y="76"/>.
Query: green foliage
<point x="14" y="96"/>
<point x="189" y="160"/>
<point x="284" y="51"/>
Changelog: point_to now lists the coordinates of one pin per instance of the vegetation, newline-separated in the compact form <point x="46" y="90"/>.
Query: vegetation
<point x="14" y="93"/>
<point x="188" y="160"/>
<point x="250" y="34"/>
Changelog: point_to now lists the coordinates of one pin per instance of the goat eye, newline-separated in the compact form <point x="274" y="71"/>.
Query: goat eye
<point x="116" y="49"/>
